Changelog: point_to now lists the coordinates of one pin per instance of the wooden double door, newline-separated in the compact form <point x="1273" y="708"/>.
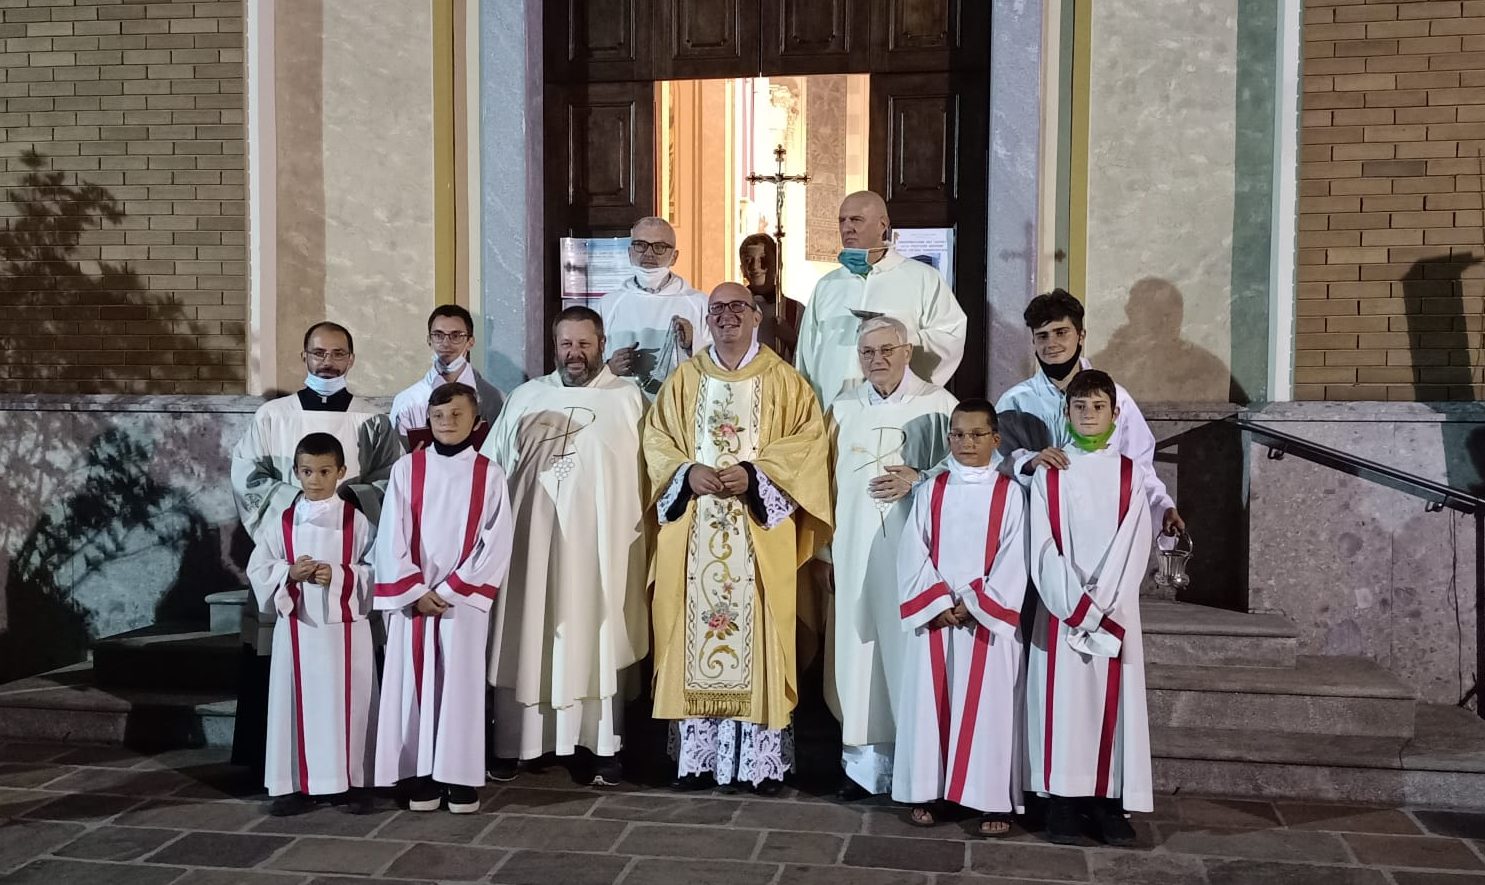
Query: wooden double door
<point x="929" y="114"/>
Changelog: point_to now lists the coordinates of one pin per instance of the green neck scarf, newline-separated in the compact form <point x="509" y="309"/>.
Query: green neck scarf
<point x="1090" y="443"/>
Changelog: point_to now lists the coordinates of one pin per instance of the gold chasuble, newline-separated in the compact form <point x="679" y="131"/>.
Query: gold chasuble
<point x="724" y="604"/>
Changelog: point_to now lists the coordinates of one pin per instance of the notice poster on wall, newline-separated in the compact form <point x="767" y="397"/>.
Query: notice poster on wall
<point x="591" y="266"/>
<point x="934" y="246"/>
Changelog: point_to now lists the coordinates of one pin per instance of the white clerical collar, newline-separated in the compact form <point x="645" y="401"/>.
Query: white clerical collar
<point x="747" y="357"/>
<point x="875" y="398"/>
<point x="314" y="508"/>
<point x="973" y="475"/>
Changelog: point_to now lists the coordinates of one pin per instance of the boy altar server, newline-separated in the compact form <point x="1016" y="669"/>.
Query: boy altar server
<point x="310" y="566"/>
<point x="1087" y="728"/>
<point x="441" y="553"/>
<point x="962" y="574"/>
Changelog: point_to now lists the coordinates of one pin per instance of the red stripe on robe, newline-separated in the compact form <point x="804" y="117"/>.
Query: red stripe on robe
<point x="294" y="591"/>
<point x="1116" y="666"/>
<point x="348" y="551"/>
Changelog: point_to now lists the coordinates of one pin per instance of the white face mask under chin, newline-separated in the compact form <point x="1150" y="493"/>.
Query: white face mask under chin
<point x="651" y="278"/>
<point x="324" y="386"/>
<point x="449" y="368"/>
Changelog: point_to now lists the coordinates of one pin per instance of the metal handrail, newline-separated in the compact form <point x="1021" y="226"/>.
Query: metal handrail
<point x="1436" y="497"/>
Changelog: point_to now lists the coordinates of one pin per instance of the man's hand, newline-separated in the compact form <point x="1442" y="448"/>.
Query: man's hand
<point x="894" y="485"/>
<point x="622" y="362"/>
<point x="703" y="480"/>
<point x="823" y="574"/>
<point x="1053" y="458"/>
<point x="945" y="619"/>
<point x="431" y="603"/>
<point x="961" y="613"/>
<point x="322" y="575"/>
<point x="683" y="331"/>
<point x="303" y="569"/>
<point x="734" y="480"/>
<point x="1173" y="524"/>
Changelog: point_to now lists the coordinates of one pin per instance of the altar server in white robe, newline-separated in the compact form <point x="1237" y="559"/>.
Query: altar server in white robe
<point x="1087" y="727"/>
<point x="442" y="551"/>
<point x="451" y="338"/>
<point x="875" y="279"/>
<point x="263" y="487"/>
<point x="883" y="434"/>
<point x="574" y="615"/>
<point x="1057" y="335"/>
<point x="313" y="568"/>
<point x="962" y="579"/>
<point x="656" y="320"/>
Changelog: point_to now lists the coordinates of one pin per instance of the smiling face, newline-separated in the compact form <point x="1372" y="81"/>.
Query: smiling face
<point x="318" y="475"/>
<point x="731" y="315"/>
<point x="972" y="440"/>
<point x="579" y="351"/>
<point x="1057" y="341"/>
<point x="329" y="354"/>
<point x="452" y="421"/>
<point x="884" y="359"/>
<point x="1091" y="415"/>
<point x="449" y="338"/>
<point x="863" y="221"/>
<point x="757" y="269"/>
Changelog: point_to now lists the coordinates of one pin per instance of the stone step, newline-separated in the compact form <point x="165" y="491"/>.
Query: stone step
<point x="1182" y="634"/>
<point x="1442" y="764"/>
<point x="1318" y="696"/>
<point x="66" y="705"/>
<point x="165" y="657"/>
<point x="226" y="609"/>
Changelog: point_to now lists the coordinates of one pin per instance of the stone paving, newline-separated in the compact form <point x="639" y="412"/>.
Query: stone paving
<point x="83" y="814"/>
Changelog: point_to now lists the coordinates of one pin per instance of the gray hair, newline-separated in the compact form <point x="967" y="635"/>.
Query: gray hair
<point x="876" y="324"/>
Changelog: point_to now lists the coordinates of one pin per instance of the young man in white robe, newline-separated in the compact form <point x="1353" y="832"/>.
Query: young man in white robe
<point x="263" y="487"/>
<point x="451" y="338"/>
<point x="442" y="551"/>
<point x="962" y="579"/>
<point x="313" y="568"/>
<point x="883" y="434"/>
<point x="1057" y="335"/>
<point x="1087" y="728"/>
<point x="574" y="616"/>
<point x="875" y="279"/>
<point x="656" y="320"/>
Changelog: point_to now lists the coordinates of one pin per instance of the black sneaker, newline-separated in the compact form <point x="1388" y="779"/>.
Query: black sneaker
<point x="1064" y="826"/>
<point x="1112" y="825"/>
<point x="359" y="800"/>
<point x="769" y="787"/>
<point x="290" y="804"/>
<point x="462" y="799"/>
<point x="607" y="771"/>
<point x="422" y="794"/>
<point x="502" y="770"/>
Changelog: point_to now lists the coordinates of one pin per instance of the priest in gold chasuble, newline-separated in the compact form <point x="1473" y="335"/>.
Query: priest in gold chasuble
<point x="738" y="456"/>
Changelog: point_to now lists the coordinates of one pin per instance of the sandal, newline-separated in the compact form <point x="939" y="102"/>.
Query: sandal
<point x="921" y="816"/>
<point x="994" y="826"/>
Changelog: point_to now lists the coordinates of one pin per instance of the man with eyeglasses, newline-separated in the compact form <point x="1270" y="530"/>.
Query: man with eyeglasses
<point x="451" y="338"/>
<point x="264" y="488"/>
<point x="874" y="279"/>
<point x="738" y="463"/>
<point x="884" y="433"/>
<point x="655" y="321"/>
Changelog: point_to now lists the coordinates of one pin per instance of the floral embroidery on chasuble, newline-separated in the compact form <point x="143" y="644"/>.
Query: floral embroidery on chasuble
<point x="721" y="580"/>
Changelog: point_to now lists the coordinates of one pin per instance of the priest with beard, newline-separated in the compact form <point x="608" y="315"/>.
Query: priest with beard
<point x="574" y="617"/>
<point x="738" y="463"/>
<point x="1057" y="335"/>
<point x="263" y="487"/>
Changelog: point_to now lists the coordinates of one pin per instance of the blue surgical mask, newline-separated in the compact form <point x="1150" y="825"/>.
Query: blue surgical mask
<point x="857" y="261"/>
<point x="324" y="386"/>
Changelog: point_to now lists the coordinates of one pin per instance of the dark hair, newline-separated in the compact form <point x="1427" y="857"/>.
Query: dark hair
<point x="445" y="394"/>
<point x="1090" y="381"/>
<point x="975" y="404"/>
<point x="451" y="310"/>
<point x="1058" y="304"/>
<point x="321" y="444"/>
<point x="769" y="244"/>
<point x="578" y="313"/>
<point x="350" y="343"/>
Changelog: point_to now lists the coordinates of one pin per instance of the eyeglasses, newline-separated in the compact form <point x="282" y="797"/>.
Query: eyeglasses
<point x="450" y="337"/>
<point x="335" y="356"/>
<point x="733" y="307"/>
<point x="885" y="351"/>
<point x="969" y="435"/>
<point x="658" y="249"/>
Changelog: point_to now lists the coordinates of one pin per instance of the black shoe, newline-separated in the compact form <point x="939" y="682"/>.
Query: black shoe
<point x="290" y="804"/>
<point x="359" y="800"/>
<point x="462" y="799"/>
<point x="422" y="794"/>
<point x="607" y="771"/>
<point x="850" y="791"/>
<point x="1112" y="825"/>
<point x="1064" y="825"/>
<point x="690" y="783"/>
<point x="769" y="787"/>
<point x="502" y="770"/>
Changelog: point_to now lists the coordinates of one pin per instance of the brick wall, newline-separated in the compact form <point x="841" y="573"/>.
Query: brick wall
<point x="122" y="258"/>
<point x="1391" y="284"/>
